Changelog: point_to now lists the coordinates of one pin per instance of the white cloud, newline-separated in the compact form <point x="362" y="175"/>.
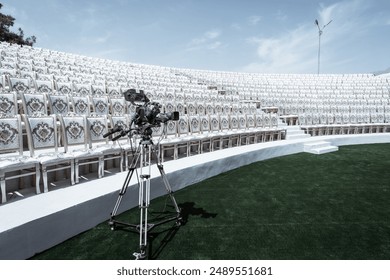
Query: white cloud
<point x="280" y="15"/>
<point x="292" y="51"/>
<point x="236" y="26"/>
<point x="296" y="50"/>
<point x="212" y="34"/>
<point x="214" y="45"/>
<point x="254" y="20"/>
<point x="206" y="41"/>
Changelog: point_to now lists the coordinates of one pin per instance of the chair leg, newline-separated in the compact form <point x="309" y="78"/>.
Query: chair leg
<point x="101" y="167"/>
<point x="44" y="177"/>
<point x="2" y="185"/>
<point x="76" y="167"/>
<point x="72" y="173"/>
<point x="121" y="162"/>
<point x="37" y="179"/>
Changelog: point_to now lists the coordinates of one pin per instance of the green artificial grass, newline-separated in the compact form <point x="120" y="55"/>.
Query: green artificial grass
<point x="303" y="206"/>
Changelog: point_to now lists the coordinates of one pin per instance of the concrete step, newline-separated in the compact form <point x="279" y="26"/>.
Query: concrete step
<point x="319" y="147"/>
<point x="297" y="136"/>
<point x="295" y="132"/>
<point x="324" y="150"/>
<point x="316" y="145"/>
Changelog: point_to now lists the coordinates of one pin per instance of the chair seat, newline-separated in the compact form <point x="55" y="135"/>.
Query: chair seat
<point x="50" y="158"/>
<point x="88" y="153"/>
<point x="108" y="149"/>
<point x="171" y="141"/>
<point x="17" y="161"/>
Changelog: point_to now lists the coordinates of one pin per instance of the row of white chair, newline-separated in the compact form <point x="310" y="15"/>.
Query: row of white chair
<point x="79" y="141"/>
<point x="83" y="144"/>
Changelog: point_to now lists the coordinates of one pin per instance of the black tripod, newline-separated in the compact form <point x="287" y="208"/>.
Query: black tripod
<point x="143" y="155"/>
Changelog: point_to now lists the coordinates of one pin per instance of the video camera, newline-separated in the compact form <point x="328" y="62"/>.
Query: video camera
<point x="147" y="112"/>
<point x="147" y="115"/>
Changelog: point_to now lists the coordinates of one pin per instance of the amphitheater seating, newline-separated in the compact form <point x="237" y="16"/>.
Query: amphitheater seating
<point x="218" y="110"/>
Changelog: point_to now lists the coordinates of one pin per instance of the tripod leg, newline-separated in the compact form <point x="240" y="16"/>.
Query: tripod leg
<point x="167" y="185"/>
<point x="124" y="188"/>
<point x="144" y="202"/>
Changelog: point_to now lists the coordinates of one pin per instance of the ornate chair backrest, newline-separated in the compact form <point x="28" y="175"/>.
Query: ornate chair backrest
<point x="194" y="124"/>
<point x="204" y="123"/>
<point x="117" y="106"/>
<point x="214" y="123"/>
<point x="81" y="105"/>
<point x="73" y="130"/>
<point x="8" y="104"/>
<point x="242" y="121"/>
<point x="34" y="104"/>
<point x="234" y="122"/>
<point x="59" y="104"/>
<point x="224" y="122"/>
<point x="41" y="133"/>
<point x="96" y="128"/>
<point x="100" y="105"/>
<point x="11" y="138"/>
<point x="182" y="125"/>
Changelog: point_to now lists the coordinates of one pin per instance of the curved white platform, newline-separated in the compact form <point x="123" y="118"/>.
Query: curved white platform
<point x="37" y="223"/>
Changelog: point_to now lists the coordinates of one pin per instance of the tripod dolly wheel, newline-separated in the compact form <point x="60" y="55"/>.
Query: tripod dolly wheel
<point x="112" y="225"/>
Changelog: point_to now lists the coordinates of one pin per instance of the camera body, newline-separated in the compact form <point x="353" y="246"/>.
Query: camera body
<point x="148" y="114"/>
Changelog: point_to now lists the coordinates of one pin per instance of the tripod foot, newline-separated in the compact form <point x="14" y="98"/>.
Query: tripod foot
<point x="112" y="225"/>
<point x="139" y="256"/>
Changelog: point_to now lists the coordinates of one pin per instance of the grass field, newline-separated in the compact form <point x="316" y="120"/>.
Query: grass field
<point x="303" y="206"/>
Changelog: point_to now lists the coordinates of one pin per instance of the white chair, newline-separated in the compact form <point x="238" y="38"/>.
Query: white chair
<point x="244" y="133"/>
<point x="205" y="139"/>
<point x="19" y="85"/>
<point x="251" y="128"/>
<point x="238" y="128"/>
<point x="100" y="105"/>
<point x="117" y="106"/>
<point x="227" y="108"/>
<point x="44" y="86"/>
<point x="8" y="104"/>
<point x="195" y="130"/>
<point x="13" y="164"/>
<point x="97" y="126"/>
<point x="200" y="108"/>
<point x="170" y="140"/>
<point x="81" y="105"/>
<point x="214" y="133"/>
<point x="82" y="89"/>
<point x="124" y="141"/>
<point x="260" y="131"/>
<point x="34" y="104"/>
<point x="228" y="137"/>
<point x="98" y="90"/>
<point x="169" y="107"/>
<point x="209" y="108"/>
<point x="63" y="87"/>
<point x="74" y="133"/>
<point x="184" y="136"/>
<point x="59" y="104"/>
<point x="191" y="108"/>
<point x="43" y="145"/>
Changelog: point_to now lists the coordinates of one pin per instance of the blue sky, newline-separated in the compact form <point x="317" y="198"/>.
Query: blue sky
<point x="265" y="36"/>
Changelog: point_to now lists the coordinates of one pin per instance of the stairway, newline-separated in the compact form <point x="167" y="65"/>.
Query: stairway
<point x="319" y="147"/>
<point x="295" y="132"/>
